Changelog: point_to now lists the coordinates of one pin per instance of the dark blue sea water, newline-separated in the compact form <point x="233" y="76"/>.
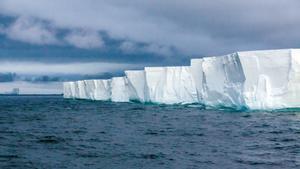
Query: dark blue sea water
<point x="50" y="132"/>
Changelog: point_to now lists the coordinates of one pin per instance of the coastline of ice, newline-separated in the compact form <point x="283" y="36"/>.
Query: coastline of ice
<point x="265" y="80"/>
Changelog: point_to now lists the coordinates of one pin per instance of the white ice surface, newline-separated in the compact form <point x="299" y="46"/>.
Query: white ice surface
<point x="272" y="78"/>
<point x="67" y="91"/>
<point x="119" y="90"/>
<point x="171" y="85"/>
<point x="197" y="74"/>
<point x="88" y="89"/>
<point x="223" y="81"/>
<point x="137" y="86"/>
<point x="102" y="90"/>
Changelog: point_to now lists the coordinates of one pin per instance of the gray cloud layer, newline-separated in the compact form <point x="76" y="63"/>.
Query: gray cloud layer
<point x="26" y="29"/>
<point x="191" y="27"/>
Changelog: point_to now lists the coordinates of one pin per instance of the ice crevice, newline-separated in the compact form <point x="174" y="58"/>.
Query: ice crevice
<point x="266" y="79"/>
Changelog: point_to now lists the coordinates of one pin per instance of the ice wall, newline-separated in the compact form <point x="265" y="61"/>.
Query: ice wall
<point x="87" y="89"/>
<point x="267" y="79"/>
<point x="90" y="89"/>
<point x="198" y="76"/>
<point x="137" y="85"/>
<point x="270" y="78"/>
<point x="67" y="89"/>
<point x="219" y="80"/>
<point x="119" y="90"/>
<point x="171" y="85"/>
<point x="292" y="95"/>
<point x="70" y="89"/>
<point x="102" y="90"/>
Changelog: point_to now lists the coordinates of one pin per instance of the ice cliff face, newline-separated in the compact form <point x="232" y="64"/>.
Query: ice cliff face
<point x="119" y="90"/>
<point x="171" y="85"/>
<point x="219" y="80"/>
<point x="254" y="79"/>
<point x="102" y="89"/>
<point x="272" y="78"/>
<point x="137" y="86"/>
<point x="88" y="89"/>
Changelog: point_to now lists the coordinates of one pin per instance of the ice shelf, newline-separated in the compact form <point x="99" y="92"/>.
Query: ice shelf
<point x="267" y="79"/>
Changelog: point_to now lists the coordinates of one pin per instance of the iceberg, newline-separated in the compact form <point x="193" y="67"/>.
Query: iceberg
<point x="266" y="79"/>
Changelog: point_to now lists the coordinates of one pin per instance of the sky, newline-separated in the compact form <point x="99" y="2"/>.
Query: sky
<point x="46" y="42"/>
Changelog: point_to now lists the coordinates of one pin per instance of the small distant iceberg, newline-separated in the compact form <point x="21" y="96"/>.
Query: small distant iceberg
<point x="259" y="80"/>
<point x="14" y="92"/>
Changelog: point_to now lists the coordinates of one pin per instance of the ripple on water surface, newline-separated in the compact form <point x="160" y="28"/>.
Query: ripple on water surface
<point x="50" y="132"/>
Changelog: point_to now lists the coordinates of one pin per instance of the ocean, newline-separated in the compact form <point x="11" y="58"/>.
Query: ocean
<point x="51" y="132"/>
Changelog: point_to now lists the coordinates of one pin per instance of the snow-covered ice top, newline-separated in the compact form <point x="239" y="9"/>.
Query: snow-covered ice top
<point x="267" y="79"/>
